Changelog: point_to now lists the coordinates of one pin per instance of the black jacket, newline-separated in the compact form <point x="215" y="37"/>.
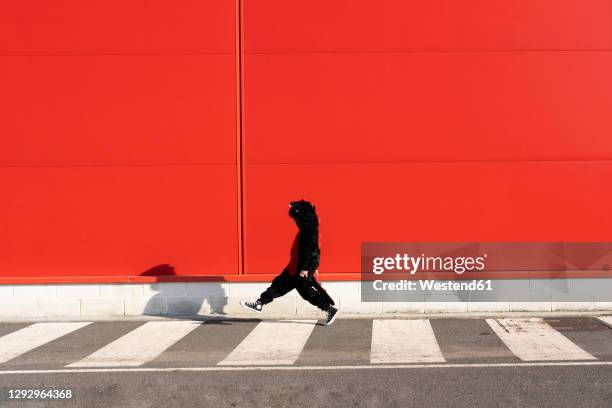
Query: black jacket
<point x="309" y="253"/>
<point x="305" y="216"/>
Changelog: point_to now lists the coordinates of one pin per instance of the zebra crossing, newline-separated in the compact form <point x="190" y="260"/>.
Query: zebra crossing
<point x="533" y="339"/>
<point x="404" y="341"/>
<point x="349" y="342"/>
<point x="139" y="346"/>
<point x="288" y="340"/>
<point x="20" y="342"/>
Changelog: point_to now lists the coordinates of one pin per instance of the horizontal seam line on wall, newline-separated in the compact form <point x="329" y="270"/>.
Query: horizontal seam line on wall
<point x="323" y="163"/>
<point x="431" y="162"/>
<point x="117" y="165"/>
<point x="422" y="51"/>
<point x="111" y="54"/>
<point x="297" y="52"/>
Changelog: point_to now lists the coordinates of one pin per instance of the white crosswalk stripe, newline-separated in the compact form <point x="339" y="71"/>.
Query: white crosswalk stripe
<point x="404" y="341"/>
<point x="281" y="343"/>
<point x="606" y="320"/>
<point x="21" y="341"/>
<point x="272" y="343"/>
<point x="532" y="339"/>
<point x="139" y="346"/>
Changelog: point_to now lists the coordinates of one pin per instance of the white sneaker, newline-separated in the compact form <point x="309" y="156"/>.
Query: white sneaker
<point x="252" y="306"/>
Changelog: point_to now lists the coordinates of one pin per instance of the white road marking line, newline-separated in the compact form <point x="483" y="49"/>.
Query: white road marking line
<point x="606" y="320"/>
<point x="21" y="341"/>
<point x="404" y="341"/>
<point x="139" y="346"/>
<point x="272" y="343"/>
<point x="306" y="368"/>
<point x="532" y="339"/>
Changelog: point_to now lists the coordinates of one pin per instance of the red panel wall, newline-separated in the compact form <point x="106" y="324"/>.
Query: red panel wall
<point x="302" y="26"/>
<point x="426" y="121"/>
<point x="402" y="120"/>
<point x="118" y="147"/>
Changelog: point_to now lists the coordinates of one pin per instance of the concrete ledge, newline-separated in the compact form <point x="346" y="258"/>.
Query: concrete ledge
<point x="58" y="307"/>
<point x="223" y="299"/>
<point x="140" y="306"/>
<point x="489" y="307"/>
<point x="102" y="307"/>
<point x="16" y="307"/>
<point x="402" y="307"/>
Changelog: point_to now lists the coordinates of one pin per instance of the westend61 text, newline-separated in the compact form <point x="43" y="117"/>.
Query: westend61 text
<point x="433" y="285"/>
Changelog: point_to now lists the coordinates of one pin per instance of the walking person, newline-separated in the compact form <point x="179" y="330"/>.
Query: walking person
<point x="301" y="273"/>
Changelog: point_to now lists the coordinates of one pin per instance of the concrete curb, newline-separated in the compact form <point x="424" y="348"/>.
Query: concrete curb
<point x="253" y="316"/>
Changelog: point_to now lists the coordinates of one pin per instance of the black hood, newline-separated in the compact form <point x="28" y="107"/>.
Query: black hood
<point x="304" y="214"/>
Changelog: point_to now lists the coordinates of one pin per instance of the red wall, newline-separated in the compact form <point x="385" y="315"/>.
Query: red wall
<point x="118" y="149"/>
<point x="436" y="120"/>
<point x="402" y="120"/>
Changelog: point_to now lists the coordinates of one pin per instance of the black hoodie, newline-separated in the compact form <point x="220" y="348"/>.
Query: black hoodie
<point x="305" y="251"/>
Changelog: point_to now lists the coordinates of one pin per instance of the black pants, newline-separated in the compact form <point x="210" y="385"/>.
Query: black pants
<point x="309" y="289"/>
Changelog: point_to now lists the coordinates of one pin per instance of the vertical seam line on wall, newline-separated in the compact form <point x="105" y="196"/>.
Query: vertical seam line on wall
<point x="239" y="138"/>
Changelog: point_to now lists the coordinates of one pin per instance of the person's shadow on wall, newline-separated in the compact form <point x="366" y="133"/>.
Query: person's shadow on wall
<point x="181" y="299"/>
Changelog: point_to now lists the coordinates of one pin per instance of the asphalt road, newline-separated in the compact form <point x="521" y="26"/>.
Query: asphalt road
<point x="438" y="363"/>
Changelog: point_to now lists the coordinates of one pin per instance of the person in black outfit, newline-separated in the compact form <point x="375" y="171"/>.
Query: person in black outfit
<point x="302" y="271"/>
